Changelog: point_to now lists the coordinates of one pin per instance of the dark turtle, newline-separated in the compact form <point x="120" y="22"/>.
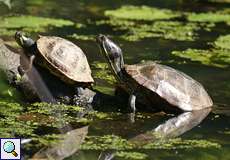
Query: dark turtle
<point x="154" y="82"/>
<point x="61" y="57"/>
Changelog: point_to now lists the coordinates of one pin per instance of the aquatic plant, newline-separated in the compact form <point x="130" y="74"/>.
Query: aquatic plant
<point x="223" y="42"/>
<point x="101" y="71"/>
<point x="105" y="142"/>
<point x="10" y="24"/>
<point x="131" y="155"/>
<point x="82" y="37"/>
<point x="217" y="56"/>
<point x="112" y="142"/>
<point x="141" y="13"/>
<point x="166" y="29"/>
<point x="209" y="17"/>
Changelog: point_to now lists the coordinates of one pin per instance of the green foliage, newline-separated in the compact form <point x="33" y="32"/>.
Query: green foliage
<point x="141" y="13"/>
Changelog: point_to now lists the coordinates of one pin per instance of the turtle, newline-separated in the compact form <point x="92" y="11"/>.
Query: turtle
<point x="154" y="83"/>
<point x="61" y="57"/>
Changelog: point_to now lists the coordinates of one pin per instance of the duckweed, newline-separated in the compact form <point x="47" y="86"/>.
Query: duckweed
<point x="112" y="142"/>
<point x="168" y="30"/>
<point x="10" y="24"/>
<point x="101" y="71"/>
<point x="209" y="17"/>
<point x="131" y="155"/>
<point x="217" y="56"/>
<point x="175" y="30"/>
<point x="10" y="126"/>
<point x="141" y="13"/>
<point x="223" y="42"/>
<point x="178" y="143"/>
<point x="105" y="142"/>
<point x="83" y="37"/>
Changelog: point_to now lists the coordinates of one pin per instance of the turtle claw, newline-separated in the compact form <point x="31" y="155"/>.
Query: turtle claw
<point x="132" y="117"/>
<point x="21" y="71"/>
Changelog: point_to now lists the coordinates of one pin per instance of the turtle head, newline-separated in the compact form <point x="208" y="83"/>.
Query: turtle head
<point x="113" y="54"/>
<point x="23" y="40"/>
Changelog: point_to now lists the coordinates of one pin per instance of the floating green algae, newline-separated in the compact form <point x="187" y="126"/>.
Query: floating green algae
<point x="174" y="30"/>
<point x="105" y="142"/>
<point x="60" y="115"/>
<point x="10" y="126"/>
<point x="113" y="142"/>
<point x="209" y="17"/>
<point x="32" y="22"/>
<point x="102" y="71"/>
<point x="83" y="37"/>
<point x="167" y="29"/>
<point x="223" y="42"/>
<point x="217" y="58"/>
<point x="27" y="23"/>
<point x="141" y="13"/>
<point x="178" y="143"/>
<point x="131" y="155"/>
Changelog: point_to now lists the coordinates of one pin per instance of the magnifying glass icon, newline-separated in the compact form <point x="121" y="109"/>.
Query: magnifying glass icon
<point x="9" y="147"/>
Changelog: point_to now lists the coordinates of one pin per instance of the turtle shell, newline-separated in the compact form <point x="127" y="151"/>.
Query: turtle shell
<point x="175" y="87"/>
<point x="64" y="59"/>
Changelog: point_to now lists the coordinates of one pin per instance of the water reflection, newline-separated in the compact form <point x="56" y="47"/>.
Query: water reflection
<point x="171" y="128"/>
<point x="66" y="147"/>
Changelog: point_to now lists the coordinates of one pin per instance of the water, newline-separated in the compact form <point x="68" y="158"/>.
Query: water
<point x="214" y="128"/>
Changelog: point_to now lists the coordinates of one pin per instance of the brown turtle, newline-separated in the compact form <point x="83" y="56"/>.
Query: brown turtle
<point x="155" y="83"/>
<point x="61" y="57"/>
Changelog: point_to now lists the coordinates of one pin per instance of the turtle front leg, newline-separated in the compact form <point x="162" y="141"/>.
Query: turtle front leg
<point x="24" y="71"/>
<point x="79" y="91"/>
<point x="132" y="104"/>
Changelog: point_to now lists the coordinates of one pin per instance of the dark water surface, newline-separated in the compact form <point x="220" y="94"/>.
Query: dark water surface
<point x="215" y="128"/>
